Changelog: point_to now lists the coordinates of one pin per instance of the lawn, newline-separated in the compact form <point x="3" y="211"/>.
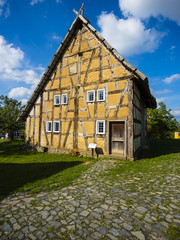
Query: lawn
<point x="32" y="171"/>
<point x="161" y="157"/>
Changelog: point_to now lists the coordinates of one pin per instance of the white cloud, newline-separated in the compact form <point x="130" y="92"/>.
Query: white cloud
<point x="176" y="113"/>
<point x="23" y="101"/>
<point x="20" y="92"/>
<point x="29" y="76"/>
<point x="162" y="91"/>
<point x="7" y="12"/>
<point x="172" y="47"/>
<point x="33" y="2"/>
<point x="128" y="36"/>
<point x="55" y="37"/>
<point x="13" y="67"/>
<point x="160" y="100"/>
<point x="146" y="8"/>
<point x="2" y="3"/>
<point x="172" y="78"/>
<point x="10" y="57"/>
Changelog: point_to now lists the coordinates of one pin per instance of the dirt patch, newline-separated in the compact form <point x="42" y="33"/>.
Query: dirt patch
<point x="86" y="163"/>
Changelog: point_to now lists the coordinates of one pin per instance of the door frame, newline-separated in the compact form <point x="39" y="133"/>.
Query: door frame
<point x="125" y="135"/>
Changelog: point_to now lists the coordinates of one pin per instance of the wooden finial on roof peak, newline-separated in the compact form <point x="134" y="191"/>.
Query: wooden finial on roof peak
<point x="80" y="10"/>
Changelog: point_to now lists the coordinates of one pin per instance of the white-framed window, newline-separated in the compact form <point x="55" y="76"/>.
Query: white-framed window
<point x="56" y="99"/>
<point x="100" y="94"/>
<point x="91" y="96"/>
<point x="56" y="126"/>
<point x="49" y="126"/>
<point x="64" y="98"/>
<point x="100" y="127"/>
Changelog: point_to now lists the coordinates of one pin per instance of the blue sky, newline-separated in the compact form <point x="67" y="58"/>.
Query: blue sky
<point x="145" y="32"/>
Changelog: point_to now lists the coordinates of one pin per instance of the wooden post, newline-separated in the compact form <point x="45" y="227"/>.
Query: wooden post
<point x="92" y="152"/>
<point x="34" y="123"/>
<point x="60" y="108"/>
<point x="29" y="138"/>
<point x="130" y="119"/>
<point x="52" y="119"/>
<point x="40" y="120"/>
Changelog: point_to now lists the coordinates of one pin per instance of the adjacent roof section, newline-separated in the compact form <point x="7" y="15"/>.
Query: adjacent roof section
<point x="80" y="20"/>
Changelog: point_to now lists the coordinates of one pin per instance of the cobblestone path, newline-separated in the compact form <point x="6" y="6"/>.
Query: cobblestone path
<point x="95" y="207"/>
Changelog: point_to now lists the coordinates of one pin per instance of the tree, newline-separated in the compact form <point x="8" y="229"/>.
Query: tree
<point x="9" y="112"/>
<point x="161" y="123"/>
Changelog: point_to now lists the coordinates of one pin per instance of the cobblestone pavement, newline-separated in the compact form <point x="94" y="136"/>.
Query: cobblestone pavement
<point x="95" y="207"/>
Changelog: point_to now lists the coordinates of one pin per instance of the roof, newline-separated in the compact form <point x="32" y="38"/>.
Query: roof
<point x="80" y="20"/>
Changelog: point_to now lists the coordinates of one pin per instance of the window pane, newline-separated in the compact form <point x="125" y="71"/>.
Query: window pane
<point x="101" y="95"/>
<point x="64" y="98"/>
<point x="101" y="127"/>
<point x="57" y="100"/>
<point x="56" y="126"/>
<point x="90" y="96"/>
<point x="49" y="126"/>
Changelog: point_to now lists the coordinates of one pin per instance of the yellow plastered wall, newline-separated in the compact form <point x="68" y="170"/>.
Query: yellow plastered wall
<point x="101" y="142"/>
<point x="89" y="127"/>
<point x="123" y="112"/>
<point x="91" y="109"/>
<point x="81" y="143"/>
<point x="113" y="99"/>
<point x="119" y="71"/>
<point x="56" y="140"/>
<point x="107" y="74"/>
<point x="69" y="144"/>
<point x="100" y="110"/>
<point x="43" y="140"/>
<point x="56" y="112"/>
<point x="49" y="138"/>
<point x="93" y="77"/>
<point x="55" y="84"/>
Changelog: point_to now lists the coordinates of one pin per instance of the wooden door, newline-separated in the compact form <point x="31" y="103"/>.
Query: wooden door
<point x="117" y="138"/>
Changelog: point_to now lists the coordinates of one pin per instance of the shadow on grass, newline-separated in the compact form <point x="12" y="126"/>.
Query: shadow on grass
<point x="14" y="175"/>
<point x="159" y="147"/>
<point x="10" y="148"/>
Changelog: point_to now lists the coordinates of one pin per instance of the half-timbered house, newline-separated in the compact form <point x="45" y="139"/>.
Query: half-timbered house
<point x="89" y="94"/>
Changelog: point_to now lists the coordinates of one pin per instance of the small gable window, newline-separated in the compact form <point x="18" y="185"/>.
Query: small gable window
<point x="100" y="127"/>
<point x="56" y="99"/>
<point x="91" y="96"/>
<point x="64" y="98"/>
<point x="100" y="94"/>
<point x="56" y="126"/>
<point x="49" y="126"/>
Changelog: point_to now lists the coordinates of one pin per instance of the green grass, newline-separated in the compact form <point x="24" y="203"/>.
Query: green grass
<point x="173" y="232"/>
<point x="31" y="171"/>
<point x="35" y="172"/>
<point x="161" y="147"/>
<point x="161" y="158"/>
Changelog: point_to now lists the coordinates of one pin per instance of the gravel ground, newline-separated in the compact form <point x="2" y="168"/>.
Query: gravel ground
<point x="96" y="207"/>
